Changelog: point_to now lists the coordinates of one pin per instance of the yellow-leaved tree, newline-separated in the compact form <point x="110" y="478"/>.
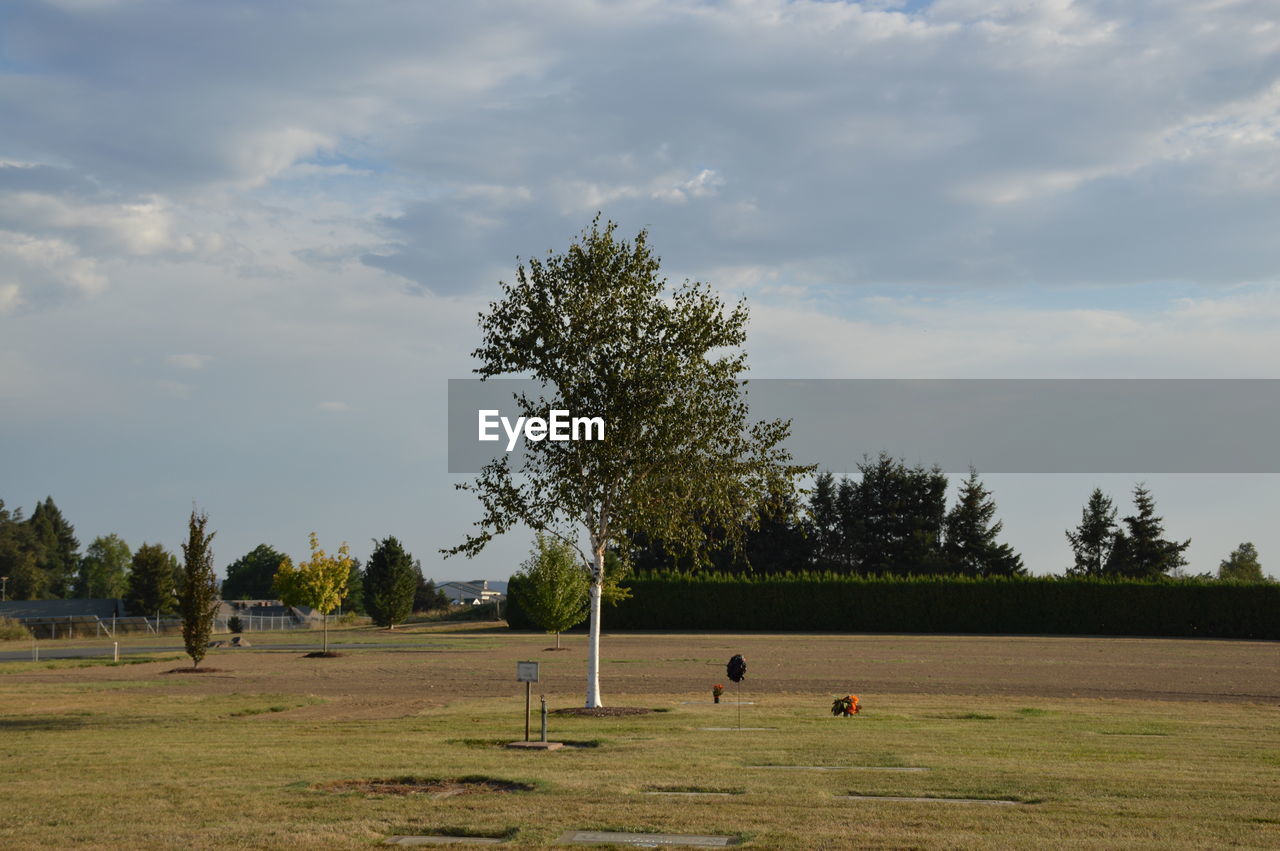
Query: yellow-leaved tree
<point x="320" y="582"/>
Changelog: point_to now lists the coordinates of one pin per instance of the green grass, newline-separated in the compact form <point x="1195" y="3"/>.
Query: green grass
<point x="157" y="763"/>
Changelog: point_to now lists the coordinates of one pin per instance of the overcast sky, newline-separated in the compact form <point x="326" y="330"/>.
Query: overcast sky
<point x="243" y="244"/>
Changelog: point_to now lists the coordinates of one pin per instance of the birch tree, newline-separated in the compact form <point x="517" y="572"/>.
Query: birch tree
<point x="602" y="334"/>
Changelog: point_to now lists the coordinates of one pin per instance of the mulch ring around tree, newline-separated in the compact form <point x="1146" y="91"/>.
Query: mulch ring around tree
<point x="196" y="671"/>
<point x="433" y="787"/>
<point x="322" y="654"/>
<point x="602" y="711"/>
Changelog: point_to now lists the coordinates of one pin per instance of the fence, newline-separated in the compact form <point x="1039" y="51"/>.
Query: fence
<point x="92" y="626"/>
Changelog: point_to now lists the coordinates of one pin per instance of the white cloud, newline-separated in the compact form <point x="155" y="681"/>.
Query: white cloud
<point x="334" y="407"/>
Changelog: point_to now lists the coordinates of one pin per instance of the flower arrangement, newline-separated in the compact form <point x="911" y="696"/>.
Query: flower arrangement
<point x="846" y="706"/>
<point x="716" y="691"/>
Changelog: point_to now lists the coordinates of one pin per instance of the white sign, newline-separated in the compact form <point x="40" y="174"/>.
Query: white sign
<point x="526" y="672"/>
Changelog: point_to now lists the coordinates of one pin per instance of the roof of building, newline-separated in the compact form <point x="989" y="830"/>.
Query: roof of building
<point x="103" y="608"/>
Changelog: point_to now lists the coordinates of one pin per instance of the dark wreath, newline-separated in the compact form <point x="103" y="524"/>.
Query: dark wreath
<point x="737" y="668"/>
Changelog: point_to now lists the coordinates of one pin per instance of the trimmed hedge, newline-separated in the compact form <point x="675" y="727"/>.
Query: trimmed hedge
<point x="1046" y="605"/>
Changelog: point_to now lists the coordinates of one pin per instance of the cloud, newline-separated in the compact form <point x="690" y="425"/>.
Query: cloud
<point x="334" y="407"/>
<point x="188" y="361"/>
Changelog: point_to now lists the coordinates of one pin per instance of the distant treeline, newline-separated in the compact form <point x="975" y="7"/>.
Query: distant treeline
<point x="893" y="520"/>
<point x="836" y="602"/>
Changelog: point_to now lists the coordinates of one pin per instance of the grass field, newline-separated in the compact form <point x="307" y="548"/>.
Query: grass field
<point x="1099" y="743"/>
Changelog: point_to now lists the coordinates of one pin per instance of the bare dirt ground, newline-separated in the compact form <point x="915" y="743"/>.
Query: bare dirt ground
<point x="388" y="683"/>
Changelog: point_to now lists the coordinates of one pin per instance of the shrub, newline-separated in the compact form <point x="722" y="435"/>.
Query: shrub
<point x="12" y="630"/>
<point x="235" y="625"/>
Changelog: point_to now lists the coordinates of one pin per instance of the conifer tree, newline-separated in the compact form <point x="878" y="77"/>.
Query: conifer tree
<point x="1140" y="551"/>
<point x="151" y="581"/>
<point x="971" y="548"/>
<point x="390" y="582"/>
<point x="1093" y="539"/>
<point x="59" y="551"/>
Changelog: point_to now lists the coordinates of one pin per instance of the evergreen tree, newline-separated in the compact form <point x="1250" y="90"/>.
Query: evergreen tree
<point x="354" y="600"/>
<point x="894" y="518"/>
<point x="390" y="581"/>
<point x="59" y="553"/>
<point x="1140" y="551"/>
<point x="250" y="576"/>
<point x="426" y="597"/>
<point x="552" y="586"/>
<point x="104" y="570"/>
<point x="1093" y="539"/>
<point x="970" y="547"/>
<point x="19" y="561"/>
<point x="824" y="525"/>
<point x="1242" y="565"/>
<point x="198" y="591"/>
<point x="151" y="587"/>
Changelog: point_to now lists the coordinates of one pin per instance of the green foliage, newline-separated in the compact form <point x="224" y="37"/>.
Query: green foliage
<point x="58" y="550"/>
<point x="1093" y="539"/>
<point x="390" y="582"/>
<point x="601" y="332"/>
<point x="318" y="582"/>
<point x="1140" y="550"/>
<point x="104" y="570"/>
<point x="151" y="584"/>
<point x="970" y="548"/>
<point x="19" y="557"/>
<point x="198" y="590"/>
<point x="250" y="576"/>
<point x="836" y="602"/>
<point x="353" y="602"/>
<point x="427" y="597"/>
<point x="553" y="584"/>
<point x="1242" y="565"/>
<point x="235" y="625"/>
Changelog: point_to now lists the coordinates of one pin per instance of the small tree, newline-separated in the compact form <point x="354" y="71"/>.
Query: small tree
<point x="427" y="597"/>
<point x="390" y="582"/>
<point x="1242" y="565"/>
<point x="318" y="582"/>
<point x="1093" y="539"/>
<point x="553" y="586"/>
<point x="198" y="594"/>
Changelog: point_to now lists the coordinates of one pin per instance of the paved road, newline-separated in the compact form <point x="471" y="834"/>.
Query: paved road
<point x="51" y="651"/>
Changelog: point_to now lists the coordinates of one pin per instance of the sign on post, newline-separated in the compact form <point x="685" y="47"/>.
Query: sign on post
<point x="526" y="672"/>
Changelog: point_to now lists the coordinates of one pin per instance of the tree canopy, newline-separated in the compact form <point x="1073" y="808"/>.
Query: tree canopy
<point x="319" y="582"/>
<point x="104" y="570"/>
<point x="600" y="331"/>
<point x="1242" y="565"/>
<point x="250" y="577"/>
<point x="151" y="585"/>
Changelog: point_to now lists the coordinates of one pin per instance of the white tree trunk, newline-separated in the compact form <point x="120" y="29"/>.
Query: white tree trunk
<point x="593" y="633"/>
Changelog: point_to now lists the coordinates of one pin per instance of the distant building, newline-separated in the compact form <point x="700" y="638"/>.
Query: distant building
<point x="471" y="593"/>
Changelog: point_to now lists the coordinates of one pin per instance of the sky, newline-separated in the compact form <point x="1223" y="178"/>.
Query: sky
<point x="243" y="245"/>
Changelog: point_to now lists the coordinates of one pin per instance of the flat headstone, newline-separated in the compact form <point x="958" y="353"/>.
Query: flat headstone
<point x="999" y="802"/>
<point x="644" y="840"/>
<point x="536" y="746"/>
<point x="441" y="840"/>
